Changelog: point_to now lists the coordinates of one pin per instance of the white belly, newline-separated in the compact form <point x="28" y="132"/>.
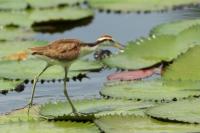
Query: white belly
<point x="52" y="62"/>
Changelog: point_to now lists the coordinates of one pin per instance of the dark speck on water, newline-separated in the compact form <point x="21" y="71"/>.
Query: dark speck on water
<point x="123" y="27"/>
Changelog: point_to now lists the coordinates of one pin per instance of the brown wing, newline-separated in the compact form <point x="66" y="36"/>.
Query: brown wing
<point x="65" y="49"/>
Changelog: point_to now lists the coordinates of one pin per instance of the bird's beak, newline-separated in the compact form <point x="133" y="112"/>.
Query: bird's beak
<point x="118" y="45"/>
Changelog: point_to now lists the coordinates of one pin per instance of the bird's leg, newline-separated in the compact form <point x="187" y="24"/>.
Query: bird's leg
<point x="74" y="111"/>
<point x="34" y="85"/>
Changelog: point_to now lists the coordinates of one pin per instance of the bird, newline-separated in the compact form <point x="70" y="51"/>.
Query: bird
<point x="64" y="52"/>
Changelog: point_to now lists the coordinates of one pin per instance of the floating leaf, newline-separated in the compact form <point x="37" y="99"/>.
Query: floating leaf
<point x="20" y="115"/>
<point x="138" y="5"/>
<point x="28" y="69"/>
<point x="20" y="122"/>
<point x="62" y="110"/>
<point x="28" y="18"/>
<point x="138" y="124"/>
<point x="15" y="18"/>
<point x="13" y="34"/>
<point x="51" y="3"/>
<point x="182" y="111"/>
<point x="7" y="85"/>
<point x="58" y="14"/>
<point x="174" y="28"/>
<point x="134" y="75"/>
<point x="186" y="67"/>
<point x="49" y="127"/>
<point x="12" y="4"/>
<point x="151" y="90"/>
<point x="13" y="47"/>
<point x="151" y="51"/>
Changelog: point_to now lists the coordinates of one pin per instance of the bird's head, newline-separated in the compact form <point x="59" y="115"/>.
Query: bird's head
<point x="108" y="38"/>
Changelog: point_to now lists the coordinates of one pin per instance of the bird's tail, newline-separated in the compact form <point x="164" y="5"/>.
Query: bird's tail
<point x="19" y="56"/>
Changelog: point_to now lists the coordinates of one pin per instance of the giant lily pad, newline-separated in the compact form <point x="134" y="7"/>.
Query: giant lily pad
<point x="13" y="47"/>
<point x="51" y="3"/>
<point x="28" y="18"/>
<point x="186" y="67"/>
<point x="138" y="5"/>
<point x="18" y="121"/>
<point x="15" y="18"/>
<point x="174" y="28"/>
<point x="28" y="69"/>
<point x="152" y="90"/>
<point x="150" y="51"/>
<point x="182" y="111"/>
<point x="138" y="124"/>
<point x="12" y="4"/>
<point x="97" y="108"/>
<point x="10" y="34"/>
<point x="7" y="85"/>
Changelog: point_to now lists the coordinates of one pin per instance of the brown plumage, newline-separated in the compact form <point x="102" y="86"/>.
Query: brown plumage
<point x="63" y="49"/>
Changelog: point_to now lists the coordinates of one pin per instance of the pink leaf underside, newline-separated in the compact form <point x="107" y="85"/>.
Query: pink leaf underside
<point x="134" y="75"/>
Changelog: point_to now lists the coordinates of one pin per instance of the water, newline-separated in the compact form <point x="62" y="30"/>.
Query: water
<point x="123" y="27"/>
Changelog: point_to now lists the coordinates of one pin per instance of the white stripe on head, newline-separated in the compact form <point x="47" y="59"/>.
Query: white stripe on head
<point x="105" y="37"/>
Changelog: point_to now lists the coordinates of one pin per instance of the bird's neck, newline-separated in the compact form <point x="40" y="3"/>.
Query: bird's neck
<point x="88" y="48"/>
<point x="92" y="44"/>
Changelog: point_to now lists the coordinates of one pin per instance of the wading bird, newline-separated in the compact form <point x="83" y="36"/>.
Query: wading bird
<point x="64" y="52"/>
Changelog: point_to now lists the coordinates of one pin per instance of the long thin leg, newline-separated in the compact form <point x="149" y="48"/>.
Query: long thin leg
<point x="33" y="88"/>
<point x="66" y="93"/>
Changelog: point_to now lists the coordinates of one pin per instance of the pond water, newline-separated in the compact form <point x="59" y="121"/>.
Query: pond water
<point x="123" y="27"/>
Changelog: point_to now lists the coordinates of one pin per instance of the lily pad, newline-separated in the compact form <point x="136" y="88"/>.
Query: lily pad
<point x="12" y="4"/>
<point x="138" y="5"/>
<point x="12" y="47"/>
<point x="174" y="28"/>
<point x="20" y="122"/>
<point x="58" y="14"/>
<point x="28" y="69"/>
<point x="8" y="85"/>
<point x="51" y="3"/>
<point x="138" y="124"/>
<point x="96" y="108"/>
<point x="187" y="111"/>
<point x="157" y="90"/>
<point x="151" y="51"/>
<point x="29" y="18"/>
<point x="134" y="75"/>
<point x="186" y="67"/>
<point x="15" y="19"/>
<point x="14" y="34"/>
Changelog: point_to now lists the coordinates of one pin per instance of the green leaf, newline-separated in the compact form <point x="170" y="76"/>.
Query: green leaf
<point x="28" y="69"/>
<point x="138" y="124"/>
<point x="16" y="19"/>
<point x="20" y="115"/>
<point x="19" y="122"/>
<point x="12" y="4"/>
<point x="150" y="51"/>
<point x="143" y="53"/>
<point x="157" y="90"/>
<point x="139" y="5"/>
<point x="51" y="3"/>
<point x="186" y="67"/>
<point x="97" y="108"/>
<point x="14" y="34"/>
<point x="49" y="127"/>
<point x="174" y="28"/>
<point x="8" y="85"/>
<point x="12" y="47"/>
<point x="28" y="18"/>
<point x="58" y="14"/>
<point x="182" y="111"/>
